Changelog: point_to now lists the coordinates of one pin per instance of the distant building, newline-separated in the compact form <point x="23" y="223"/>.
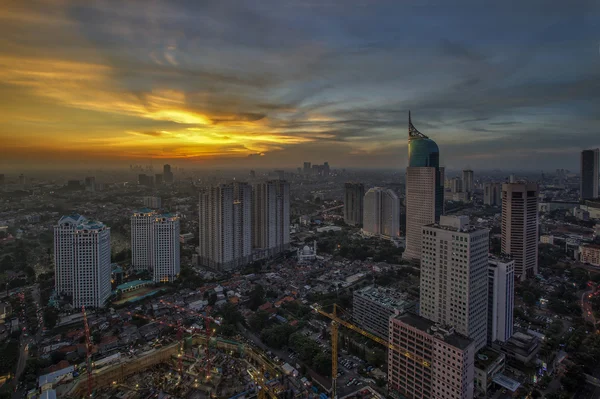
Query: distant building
<point x="590" y="253"/>
<point x="141" y="235"/>
<point x="521" y="347"/>
<point x="373" y="306"/>
<point x="581" y="214"/>
<point x="456" y="185"/>
<point x="225" y="221"/>
<point x="354" y="196"/>
<point x="152" y="202"/>
<point x="547" y="239"/>
<point x="307" y="169"/>
<point x="82" y="261"/>
<point x="186" y="237"/>
<point x="271" y="216"/>
<point x="501" y="299"/>
<point x="158" y="179"/>
<point x="467" y="180"/>
<point x="381" y="214"/>
<point x="424" y="189"/>
<point x="90" y="184"/>
<point x="454" y="276"/>
<point x="492" y="194"/>
<point x="164" y="246"/>
<point x="590" y="167"/>
<point x="167" y="174"/>
<point x="441" y="364"/>
<point x="520" y="227"/>
<point x="145" y="180"/>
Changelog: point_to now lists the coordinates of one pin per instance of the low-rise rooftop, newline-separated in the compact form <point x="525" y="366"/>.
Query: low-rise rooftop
<point x="425" y="325"/>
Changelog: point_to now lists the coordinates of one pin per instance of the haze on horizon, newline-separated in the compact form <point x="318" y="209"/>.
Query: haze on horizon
<point x="273" y="83"/>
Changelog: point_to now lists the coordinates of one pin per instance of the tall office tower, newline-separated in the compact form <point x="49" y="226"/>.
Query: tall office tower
<point x="590" y="167"/>
<point x="167" y="174"/>
<point x="467" y="179"/>
<point x="354" y="197"/>
<point x="146" y="180"/>
<point x="424" y="189"/>
<point x="225" y="233"/>
<point x="164" y="248"/>
<point x="456" y="185"/>
<point x="501" y="298"/>
<point x="441" y="364"/>
<point x="492" y="194"/>
<point x="326" y="169"/>
<point x="381" y="214"/>
<point x="82" y="260"/>
<point x="90" y="184"/>
<point x="141" y="235"/>
<point x="454" y="276"/>
<point x="307" y="168"/>
<point x="520" y="227"/>
<point x="152" y="202"/>
<point x="158" y="179"/>
<point x="271" y="216"/>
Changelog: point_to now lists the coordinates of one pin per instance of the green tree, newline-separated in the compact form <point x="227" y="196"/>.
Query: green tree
<point x="258" y="321"/>
<point x="50" y="317"/>
<point x="257" y="297"/>
<point x="573" y="379"/>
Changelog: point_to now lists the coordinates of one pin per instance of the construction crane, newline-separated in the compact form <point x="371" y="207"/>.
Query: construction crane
<point x="335" y="323"/>
<point x="88" y="348"/>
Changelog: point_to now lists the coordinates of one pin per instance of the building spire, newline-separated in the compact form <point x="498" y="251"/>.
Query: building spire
<point x="412" y="130"/>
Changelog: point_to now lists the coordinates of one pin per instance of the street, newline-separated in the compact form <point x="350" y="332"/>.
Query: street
<point x="586" y="307"/>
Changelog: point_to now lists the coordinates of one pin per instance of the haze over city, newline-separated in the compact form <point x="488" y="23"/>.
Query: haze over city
<point x="274" y="83"/>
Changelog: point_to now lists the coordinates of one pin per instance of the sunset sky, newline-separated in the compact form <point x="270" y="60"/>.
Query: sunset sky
<point x="512" y="84"/>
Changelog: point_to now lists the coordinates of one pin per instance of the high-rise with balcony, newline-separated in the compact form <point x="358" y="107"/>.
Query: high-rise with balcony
<point x="432" y="361"/>
<point x="271" y="216"/>
<point x="381" y="216"/>
<point x="82" y="261"/>
<point x="141" y="236"/>
<point x="164" y="248"/>
<point x="492" y="194"/>
<point x="590" y="167"/>
<point x="520" y="227"/>
<point x="424" y="189"/>
<point x="225" y="226"/>
<point x="354" y="196"/>
<point x="454" y="276"/>
<point x="467" y="181"/>
<point x="501" y="298"/>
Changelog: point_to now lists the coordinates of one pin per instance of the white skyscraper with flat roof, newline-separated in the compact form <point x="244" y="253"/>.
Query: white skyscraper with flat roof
<point x="141" y="234"/>
<point x="454" y="276"/>
<point x="164" y="248"/>
<point x="501" y="298"/>
<point x="225" y="220"/>
<point x="82" y="261"/>
<point x="381" y="215"/>
<point x="271" y="216"/>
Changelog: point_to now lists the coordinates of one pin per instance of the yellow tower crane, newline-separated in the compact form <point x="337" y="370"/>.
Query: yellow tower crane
<point x="335" y="323"/>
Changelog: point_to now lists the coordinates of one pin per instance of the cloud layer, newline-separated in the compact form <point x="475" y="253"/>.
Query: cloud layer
<point x="215" y="82"/>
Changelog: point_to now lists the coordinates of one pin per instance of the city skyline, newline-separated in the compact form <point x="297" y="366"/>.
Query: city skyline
<point x="276" y="84"/>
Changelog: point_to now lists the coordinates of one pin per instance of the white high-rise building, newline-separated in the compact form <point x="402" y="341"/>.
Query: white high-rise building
<point x="440" y="364"/>
<point x="271" y="216"/>
<point x="354" y="196"/>
<point x="381" y="216"/>
<point x="520" y="227"/>
<point x="501" y="298"/>
<point x="164" y="246"/>
<point x="225" y="220"/>
<point x="492" y="194"/>
<point x="141" y="234"/>
<point x="82" y="260"/>
<point x="454" y="276"/>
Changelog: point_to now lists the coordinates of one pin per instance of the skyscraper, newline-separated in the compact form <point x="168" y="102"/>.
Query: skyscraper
<point x="467" y="180"/>
<point x="501" y="298"/>
<point x="440" y="364"/>
<point x="164" y="248"/>
<point x="424" y="189"/>
<point x="457" y="185"/>
<point x="492" y="194"/>
<point x="520" y="227"/>
<point x="167" y="174"/>
<point x="155" y="244"/>
<point x="225" y="220"/>
<point x="354" y="196"/>
<point x="590" y="167"/>
<point x="454" y="276"/>
<point x="271" y="216"/>
<point x="307" y="168"/>
<point x="381" y="214"/>
<point x="141" y="236"/>
<point x="82" y="261"/>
